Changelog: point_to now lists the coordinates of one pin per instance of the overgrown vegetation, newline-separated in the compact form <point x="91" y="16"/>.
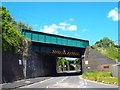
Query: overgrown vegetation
<point x="111" y="52"/>
<point x="108" y="48"/>
<point x="105" y="77"/>
<point x="61" y="63"/>
<point x="12" y="40"/>
<point x="77" y="63"/>
<point x="105" y="42"/>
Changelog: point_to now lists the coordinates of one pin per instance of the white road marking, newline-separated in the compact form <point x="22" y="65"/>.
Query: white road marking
<point x="36" y="83"/>
<point x="57" y="82"/>
<point x="78" y="86"/>
<point x="45" y="80"/>
<point x="27" y="82"/>
<point x="61" y="80"/>
<point x="47" y="87"/>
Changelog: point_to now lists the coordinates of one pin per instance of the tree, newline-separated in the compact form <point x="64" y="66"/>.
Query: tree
<point x="12" y="40"/>
<point x="77" y="61"/>
<point x="117" y="46"/>
<point x="22" y="25"/>
<point x="61" y="61"/>
<point x="105" y="42"/>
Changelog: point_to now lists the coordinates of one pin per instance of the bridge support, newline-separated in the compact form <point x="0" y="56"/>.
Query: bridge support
<point x="41" y="65"/>
<point x="37" y="64"/>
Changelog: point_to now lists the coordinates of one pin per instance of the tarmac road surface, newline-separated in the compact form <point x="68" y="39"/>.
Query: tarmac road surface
<point x="69" y="80"/>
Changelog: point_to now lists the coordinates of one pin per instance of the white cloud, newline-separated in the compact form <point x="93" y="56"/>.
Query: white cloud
<point x="59" y="26"/>
<point x="114" y="14"/>
<point x="72" y="27"/>
<point x="63" y="24"/>
<point x="53" y="29"/>
<point x="71" y="19"/>
<point x="54" y="26"/>
<point x="49" y="29"/>
<point x="62" y="27"/>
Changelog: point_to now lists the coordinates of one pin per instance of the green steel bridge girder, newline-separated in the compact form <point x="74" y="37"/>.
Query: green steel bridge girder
<point x="54" y="39"/>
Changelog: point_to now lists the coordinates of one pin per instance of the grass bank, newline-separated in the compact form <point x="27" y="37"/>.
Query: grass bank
<point x="111" y="52"/>
<point x="105" y="77"/>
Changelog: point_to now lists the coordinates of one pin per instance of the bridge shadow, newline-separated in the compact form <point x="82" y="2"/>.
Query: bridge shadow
<point x="65" y="73"/>
<point x="68" y="74"/>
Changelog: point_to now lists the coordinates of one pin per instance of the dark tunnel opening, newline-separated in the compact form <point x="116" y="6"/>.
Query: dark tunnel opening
<point x="68" y="66"/>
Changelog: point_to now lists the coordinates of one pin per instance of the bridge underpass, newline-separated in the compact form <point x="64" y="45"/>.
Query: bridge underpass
<point x="47" y="47"/>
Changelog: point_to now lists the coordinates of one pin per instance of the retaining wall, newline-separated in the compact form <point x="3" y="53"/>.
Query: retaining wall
<point x="93" y="60"/>
<point x="33" y="65"/>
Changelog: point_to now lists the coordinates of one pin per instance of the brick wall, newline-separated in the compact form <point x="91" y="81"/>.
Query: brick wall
<point x="105" y="67"/>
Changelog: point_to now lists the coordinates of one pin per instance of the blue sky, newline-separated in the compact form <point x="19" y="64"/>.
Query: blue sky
<point x="84" y="20"/>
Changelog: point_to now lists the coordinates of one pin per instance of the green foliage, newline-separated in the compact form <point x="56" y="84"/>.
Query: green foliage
<point x="108" y="48"/>
<point x="22" y="25"/>
<point x="105" y="42"/>
<point x="105" y="77"/>
<point x="117" y="46"/>
<point x="61" y="61"/>
<point x="96" y="74"/>
<point x="12" y="40"/>
<point x="111" y="52"/>
<point x="77" y="61"/>
<point x="110" y="80"/>
<point x="72" y="65"/>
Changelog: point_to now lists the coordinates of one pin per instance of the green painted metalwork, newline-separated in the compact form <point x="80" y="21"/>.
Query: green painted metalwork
<point x="54" y="39"/>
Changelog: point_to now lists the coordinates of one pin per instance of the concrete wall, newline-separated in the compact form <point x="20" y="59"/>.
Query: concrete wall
<point x="116" y="70"/>
<point x="11" y="70"/>
<point x="37" y="64"/>
<point x="93" y="60"/>
<point x="41" y="65"/>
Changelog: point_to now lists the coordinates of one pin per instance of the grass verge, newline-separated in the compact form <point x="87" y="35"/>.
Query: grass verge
<point x="105" y="77"/>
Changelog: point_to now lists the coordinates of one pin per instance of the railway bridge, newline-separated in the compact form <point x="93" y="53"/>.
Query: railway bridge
<point x="48" y="47"/>
<point x="56" y="45"/>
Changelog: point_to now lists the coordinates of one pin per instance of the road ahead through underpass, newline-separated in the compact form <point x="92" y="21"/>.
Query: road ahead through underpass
<point x="69" y="80"/>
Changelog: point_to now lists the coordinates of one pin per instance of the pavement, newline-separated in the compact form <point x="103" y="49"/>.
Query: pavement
<point x="20" y="83"/>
